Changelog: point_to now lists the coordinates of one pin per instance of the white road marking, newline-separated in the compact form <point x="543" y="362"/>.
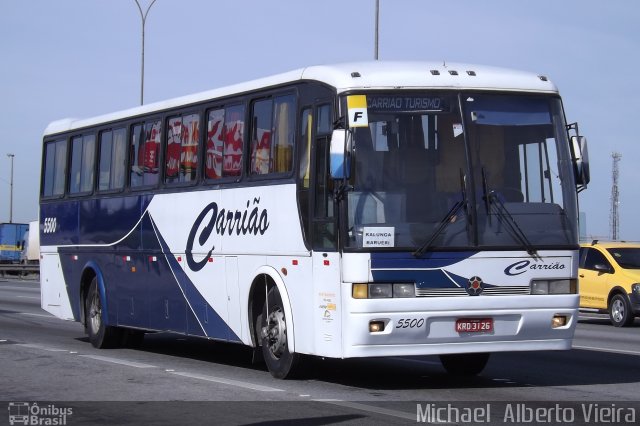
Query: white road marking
<point x="370" y="409"/>
<point x="118" y="361"/>
<point x="19" y="288"/>
<point x="37" y="315"/>
<point x="613" y="351"/>
<point x="245" y="385"/>
<point x="42" y="347"/>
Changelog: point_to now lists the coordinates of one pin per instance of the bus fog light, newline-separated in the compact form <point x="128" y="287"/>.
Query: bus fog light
<point x="376" y="326"/>
<point x="360" y="291"/>
<point x="378" y="291"/>
<point x="559" y="321"/>
<point x="404" y="290"/>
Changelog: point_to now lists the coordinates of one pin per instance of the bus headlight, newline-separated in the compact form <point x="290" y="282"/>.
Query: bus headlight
<point x="554" y="286"/>
<point x="379" y="291"/>
<point x="404" y="290"/>
<point x="382" y="290"/>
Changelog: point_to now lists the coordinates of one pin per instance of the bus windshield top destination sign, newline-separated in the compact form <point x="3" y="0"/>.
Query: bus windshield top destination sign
<point x="405" y="103"/>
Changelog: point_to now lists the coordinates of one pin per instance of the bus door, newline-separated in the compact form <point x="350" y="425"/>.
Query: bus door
<point x="324" y="241"/>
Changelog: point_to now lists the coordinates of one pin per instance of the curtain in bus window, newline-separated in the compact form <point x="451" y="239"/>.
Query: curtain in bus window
<point x="106" y="150"/>
<point x="215" y="141"/>
<point x="151" y="146"/>
<point x="82" y="162"/>
<point x="118" y="159"/>
<point x="136" y="154"/>
<point x="60" y="167"/>
<point x="76" y="159"/>
<point x="49" y="168"/>
<point x="189" y="151"/>
<point x="88" y="160"/>
<point x="175" y="133"/>
<point x="56" y="155"/>
<point x="305" y="152"/>
<point x="261" y="137"/>
<point x="234" y="136"/>
<point x="284" y="120"/>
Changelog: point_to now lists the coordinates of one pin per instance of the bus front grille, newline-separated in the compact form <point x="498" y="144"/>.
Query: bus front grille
<point x="459" y="291"/>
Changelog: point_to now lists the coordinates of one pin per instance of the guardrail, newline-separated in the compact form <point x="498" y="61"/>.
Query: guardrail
<point x="10" y="269"/>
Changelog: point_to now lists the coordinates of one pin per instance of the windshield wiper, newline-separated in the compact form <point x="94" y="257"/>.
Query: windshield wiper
<point x="449" y="218"/>
<point x="510" y="223"/>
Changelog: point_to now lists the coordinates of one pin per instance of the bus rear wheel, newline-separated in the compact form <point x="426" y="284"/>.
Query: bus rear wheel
<point x="101" y="335"/>
<point x="272" y="333"/>
<point x="464" y="364"/>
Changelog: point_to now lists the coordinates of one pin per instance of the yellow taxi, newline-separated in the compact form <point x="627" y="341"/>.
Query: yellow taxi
<point x="609" y="276"/>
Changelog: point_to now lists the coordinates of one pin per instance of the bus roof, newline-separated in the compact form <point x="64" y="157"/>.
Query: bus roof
<point x="351" y="76"/>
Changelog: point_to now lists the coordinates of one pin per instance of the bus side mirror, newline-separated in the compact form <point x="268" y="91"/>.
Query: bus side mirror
<point x="581" y="160"/>
<point x="339" y="154"/>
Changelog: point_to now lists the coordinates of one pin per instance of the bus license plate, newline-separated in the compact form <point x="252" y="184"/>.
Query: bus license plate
<point x="474" y="325"/>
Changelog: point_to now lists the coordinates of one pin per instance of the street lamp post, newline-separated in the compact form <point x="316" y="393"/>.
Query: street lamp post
<point x="143" y="16"/>
<point x="11" y="190"/>
<point x="375" y="53"/>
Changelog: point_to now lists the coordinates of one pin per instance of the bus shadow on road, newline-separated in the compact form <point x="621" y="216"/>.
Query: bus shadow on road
<point x="504" y="370"/>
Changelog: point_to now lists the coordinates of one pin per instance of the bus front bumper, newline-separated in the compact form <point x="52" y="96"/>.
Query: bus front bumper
<point x="449" y="329"/>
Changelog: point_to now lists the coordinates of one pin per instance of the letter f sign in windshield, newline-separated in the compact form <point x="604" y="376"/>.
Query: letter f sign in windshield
<point x="357" y="106"/>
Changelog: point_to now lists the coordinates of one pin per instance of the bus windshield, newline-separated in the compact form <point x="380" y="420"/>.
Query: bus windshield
<point x="461" y="171"/>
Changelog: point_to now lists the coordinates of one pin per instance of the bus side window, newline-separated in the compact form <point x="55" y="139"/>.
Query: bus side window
<point x="143" y="153"/>
<point x="54" y="168"/>
<point x="273" y="124"/>
<point x="181" y="155"/>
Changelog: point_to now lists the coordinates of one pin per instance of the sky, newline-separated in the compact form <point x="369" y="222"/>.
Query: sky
<point x="81" y="58"/>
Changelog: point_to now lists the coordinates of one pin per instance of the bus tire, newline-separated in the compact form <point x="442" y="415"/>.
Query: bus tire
<point x="464" y="364"/>
<point x="272" y="333"/>
<point x="101" y="336"/>
<point x="620" y="311"/>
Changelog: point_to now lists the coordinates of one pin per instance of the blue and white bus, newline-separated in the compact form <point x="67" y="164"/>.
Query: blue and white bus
<point x="356" y="210"/>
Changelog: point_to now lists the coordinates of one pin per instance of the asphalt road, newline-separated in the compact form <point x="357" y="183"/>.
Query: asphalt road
<point x="171" y="379"/>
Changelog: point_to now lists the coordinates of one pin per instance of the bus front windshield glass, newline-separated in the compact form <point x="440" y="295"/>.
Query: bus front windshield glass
<point x="427" y="175"/>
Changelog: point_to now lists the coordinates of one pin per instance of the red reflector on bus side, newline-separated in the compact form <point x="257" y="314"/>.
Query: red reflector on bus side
<point x="211" y="260"/>
<point x="326" y="263"/>
<point x="294" y="262"/>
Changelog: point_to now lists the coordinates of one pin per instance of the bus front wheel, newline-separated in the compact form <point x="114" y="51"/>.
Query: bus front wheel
<point x="100" y="335"/>
<point x="281" y="363"/>
<point x="464" y="364"/>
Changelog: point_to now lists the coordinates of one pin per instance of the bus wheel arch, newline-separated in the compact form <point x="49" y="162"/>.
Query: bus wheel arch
<point x="93" y="299"/>
<point x="88" y="274"/>
<point x="271" y="322"/>
<point x="269" y="278"/>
